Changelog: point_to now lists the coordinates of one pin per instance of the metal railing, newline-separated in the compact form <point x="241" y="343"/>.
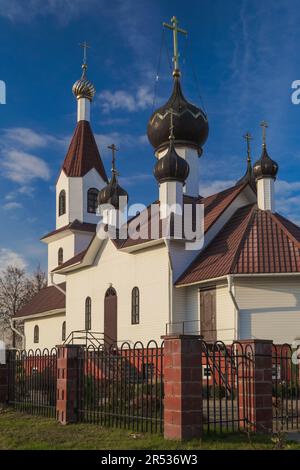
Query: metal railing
<point x="122" y="386"/>
<point x="32" y="378"/>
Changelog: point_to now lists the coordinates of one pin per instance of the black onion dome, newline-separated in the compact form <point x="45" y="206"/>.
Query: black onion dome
<point x="110" y="194"/>
<point x="171" y="167"/>
<point x="190" y="122"/>
<point x="248" y="176"/>
<point x="265" y="166"/>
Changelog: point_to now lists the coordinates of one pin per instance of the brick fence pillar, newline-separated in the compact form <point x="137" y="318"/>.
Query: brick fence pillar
<point x="67" y="383"/>
<point x="4" y="382"/>
<point x="183" y="387"/>
<point x="255" y="385"/>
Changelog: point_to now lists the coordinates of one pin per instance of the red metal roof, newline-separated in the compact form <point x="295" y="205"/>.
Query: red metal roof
<point x="47" y="299"/>
<point x="73" y="226"/>
<point x="214" y="206"/>
<point x="252" y="242"/>
<point x="83" y="153"/>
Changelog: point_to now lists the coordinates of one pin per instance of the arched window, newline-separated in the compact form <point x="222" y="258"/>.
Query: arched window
<point x="36" y="334"/>
<point x="62" y="202"/>
<point x="135" y="306"/>
<point x="92" y="197"/>
<point x="88" y="313"/>
<point x="60" y="256"/>
<point x="63" y="331"/>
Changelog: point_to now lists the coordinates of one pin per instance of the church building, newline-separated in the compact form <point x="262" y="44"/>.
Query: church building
<point x="242" y="283"/>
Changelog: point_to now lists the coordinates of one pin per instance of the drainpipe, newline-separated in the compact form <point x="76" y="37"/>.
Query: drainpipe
<point x="170" y="283"/>
<point x="236" y="307"/>
<point x="11" y="322"/>
<point x="56" y="285"/>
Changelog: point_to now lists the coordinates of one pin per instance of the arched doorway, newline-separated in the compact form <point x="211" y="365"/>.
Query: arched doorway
<point x="110" y="316"/>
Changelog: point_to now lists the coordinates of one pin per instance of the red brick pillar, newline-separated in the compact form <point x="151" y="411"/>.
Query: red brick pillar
<point x="183" y="387"/>
<point x="4" y="382"/>
<point x="255" y="385"/>
<point x="67" y="383"/>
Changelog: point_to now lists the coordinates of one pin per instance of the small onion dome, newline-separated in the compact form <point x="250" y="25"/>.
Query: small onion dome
<point x="190" y="122"/>
<point x="110" y="194"/>
<point x="171" y="167"/>
<point x="265" y="166"/>
<point x="83" y="88"/>
<point x="248" y="176"/>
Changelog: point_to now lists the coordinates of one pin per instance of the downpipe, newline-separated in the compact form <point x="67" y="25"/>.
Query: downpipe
<point x="236" y="311"/>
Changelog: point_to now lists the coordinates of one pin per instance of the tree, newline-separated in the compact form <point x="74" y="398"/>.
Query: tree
<point x="16" y="289"/>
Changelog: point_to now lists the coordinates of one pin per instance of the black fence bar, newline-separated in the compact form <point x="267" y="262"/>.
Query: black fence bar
<point x="32" y="378"/>
<point x="227" y="373"/>
<point x="122" y="386"/>
<point x="286" y="390"/>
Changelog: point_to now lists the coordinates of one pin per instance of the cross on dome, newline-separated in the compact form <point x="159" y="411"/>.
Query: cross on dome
<point x="176" y="30"/>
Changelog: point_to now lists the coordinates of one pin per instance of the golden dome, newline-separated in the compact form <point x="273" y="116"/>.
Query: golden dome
<point x="83" y="88"/>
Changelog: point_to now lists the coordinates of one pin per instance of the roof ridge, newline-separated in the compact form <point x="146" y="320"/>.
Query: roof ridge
<point x="209" y="244"/>
<point x="284" y="228"/>
<point x="83" y="153"/>
<point x="250" y="217"/>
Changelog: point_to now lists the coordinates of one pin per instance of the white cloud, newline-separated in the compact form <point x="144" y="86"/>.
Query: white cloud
<point x="11" y="258"/>
<point x="63" y="10"/>
<point x="135" y="179"/>
<point x="12" y="205"/>
<point x="120" y="99"/>
<point x="213" y="187"/>
<point x="28" y="138"/>
<point x="23" y="167"/>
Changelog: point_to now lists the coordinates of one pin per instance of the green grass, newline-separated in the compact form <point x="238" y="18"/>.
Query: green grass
<point x="21" y="431"/>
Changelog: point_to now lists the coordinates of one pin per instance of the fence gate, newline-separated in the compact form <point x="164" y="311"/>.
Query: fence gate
<point x="286" y="390"/>
<point x="122" y="387"/>
<point x="227" y="373"/>
<point x="32" y="380"/>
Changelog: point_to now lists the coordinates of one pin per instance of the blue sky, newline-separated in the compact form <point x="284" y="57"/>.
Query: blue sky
<point x="244" y="54"/>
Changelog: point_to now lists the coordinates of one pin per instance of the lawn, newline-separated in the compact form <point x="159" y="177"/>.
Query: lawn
<point x="20" y="431"/>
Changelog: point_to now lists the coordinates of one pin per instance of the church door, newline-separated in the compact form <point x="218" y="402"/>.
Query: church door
<point x="208" y="314"/>
<point x="110" y="316"/>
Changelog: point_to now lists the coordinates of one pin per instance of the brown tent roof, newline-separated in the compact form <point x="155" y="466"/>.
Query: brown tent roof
<point x="83" y="153"/>
<point x="49" y="298"/>
<point x="252" y="242"/>
<point x="75" y="225"/>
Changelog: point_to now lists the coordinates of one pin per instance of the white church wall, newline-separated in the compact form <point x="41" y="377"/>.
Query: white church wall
<point x="269" y="308"/>
<point x="148" y="270"/>
<point x="225" y="310"/>
<point x="67" y="244"/>
<point x="50" y="331"/>
<point x="75" y="199"/>
<point x="62" y="185"/>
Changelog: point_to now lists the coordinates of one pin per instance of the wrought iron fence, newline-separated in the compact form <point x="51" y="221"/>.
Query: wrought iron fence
<point x="32" y="378"/>
<point x="122" y="386"/>
<point x="286" y="389"/>
<point x="227" y="372"/>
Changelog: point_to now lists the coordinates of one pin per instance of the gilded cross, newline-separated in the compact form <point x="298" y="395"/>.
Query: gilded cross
<point x="114" y="149"/>
<point x="176" y="30"/>
<point x="264" y="126"/>
<point x="248" y="137"/>
<point x="85" y="46"/>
